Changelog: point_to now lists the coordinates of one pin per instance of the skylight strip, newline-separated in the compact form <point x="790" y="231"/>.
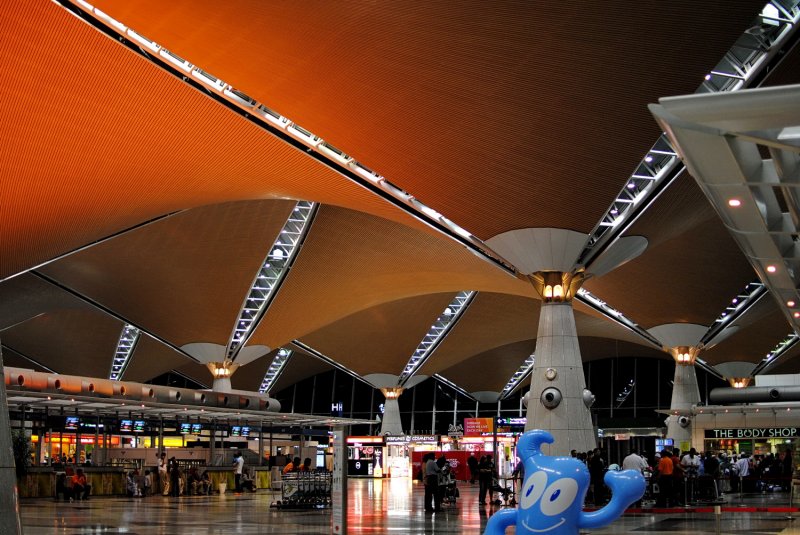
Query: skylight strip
<point x="275" y="369"/>
<point x="746" y="64"/>
<point x="615" y="315"/>
<point x="286" y="130"/>
<point x="270" y="276"/>
<point x="518" y="376"/>
<point x="740" y="304"/>
<point x="773" y="356"/>
<point x="454" y="386"/>
<point x="438" y="331"/>
<point x="122" y="356"/>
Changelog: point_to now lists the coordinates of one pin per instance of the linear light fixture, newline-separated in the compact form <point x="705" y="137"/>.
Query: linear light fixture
<point x="745" y="65"/>
<point x="122" y="356"/>
<point x="451" y="384"/>
<point x="780" y="350"/>
<point x="271" y="275"/>
<point x="275" y="368"/>
<point x="446" y="320"/>
<point x="327" y="360"/>
<point x="615" y="315"/>
<point x="738" y="306"/>
<point x="518" y="376"/>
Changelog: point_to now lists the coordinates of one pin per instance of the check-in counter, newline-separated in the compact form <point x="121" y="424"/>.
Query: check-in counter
<point x="41" y="481"/>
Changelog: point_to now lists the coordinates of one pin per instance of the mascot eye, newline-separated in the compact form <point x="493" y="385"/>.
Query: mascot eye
<point x="559" y="496"/>
<point x="533" y="489"/>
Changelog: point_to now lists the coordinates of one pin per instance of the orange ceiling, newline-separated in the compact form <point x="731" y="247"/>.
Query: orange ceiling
<point x="485" y="111"/>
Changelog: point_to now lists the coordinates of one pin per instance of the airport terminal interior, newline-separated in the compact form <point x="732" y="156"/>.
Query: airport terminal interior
<point x="384" y="267"/>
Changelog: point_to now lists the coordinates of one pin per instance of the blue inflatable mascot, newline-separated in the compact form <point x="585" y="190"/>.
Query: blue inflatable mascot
<point x="552" y="495"/>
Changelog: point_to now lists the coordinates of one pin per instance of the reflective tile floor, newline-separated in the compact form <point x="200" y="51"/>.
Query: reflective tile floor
<point x="390" y="506"/>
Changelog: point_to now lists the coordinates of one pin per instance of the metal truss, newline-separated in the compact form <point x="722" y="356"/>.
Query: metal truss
<point x="446" y="320"/>
<point x="752" y="57"/>
<point x="271" y="275"/>
<point x="615" y="315"/>
<point x="744" y="301"/>
<point x="122" y="356"/>
<point x="275" y="369"/>
<point x="518" y="376"/>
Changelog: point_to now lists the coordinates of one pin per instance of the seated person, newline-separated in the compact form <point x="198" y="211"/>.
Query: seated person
<point x="247" y="482"/>
<point x="131" y="488"/>
<point x="293" y="466"/>
<point x="205" y="483"/>
<point x="63" y="486"/>
<point x="194" y="481"/>
<point x="306" y="465"/>
<point x="80" y="487"/>
<point x="148" y="483"/>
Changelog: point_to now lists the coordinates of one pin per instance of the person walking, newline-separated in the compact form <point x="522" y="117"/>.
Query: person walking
<point x="597" y="470"/>
<point x="472" y="464"/>
<point x="485" y="476"/>
<point x="238" y="462"/>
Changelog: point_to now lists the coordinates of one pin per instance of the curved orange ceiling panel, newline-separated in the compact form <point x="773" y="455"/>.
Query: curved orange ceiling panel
<point x="97" y="139"/>
<point x="482" y="110"/>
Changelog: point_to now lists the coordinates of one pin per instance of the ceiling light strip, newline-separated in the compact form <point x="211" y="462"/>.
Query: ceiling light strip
<point x="275" y="369"/>
<point x="438" y="331"/>
<point x="518" y="376"/>
<point x="615" y="315"/>
<point x="700" y="363"/>
<point x="271" y="275"/>
<point x="744" y="301"/>
<point x="780" y="350"/>
<point x="284" y="129"/>
<point x="752" y="57"/>
<point x="327" y="360"/>
<point x="122" y="356"/>
<point x="451" y="384"/>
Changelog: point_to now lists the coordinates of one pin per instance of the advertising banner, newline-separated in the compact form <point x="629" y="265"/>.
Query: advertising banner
<point x="474" y="427"/>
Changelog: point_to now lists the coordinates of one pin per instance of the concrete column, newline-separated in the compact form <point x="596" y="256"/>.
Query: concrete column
<point x="391" y="423"/>
<point x="685" y="393"/>
<point x="9" y="497"/>
<point x="222" y="372"/>
<point x="558" y="371"/>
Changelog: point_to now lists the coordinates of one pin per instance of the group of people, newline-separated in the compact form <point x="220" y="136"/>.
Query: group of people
<point x="439" y="482"/>
<point x="294" y="465"/>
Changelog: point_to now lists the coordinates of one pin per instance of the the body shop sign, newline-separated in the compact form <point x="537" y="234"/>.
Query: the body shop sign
<point x="475" y="427"/>
<point x="765" y="432"/>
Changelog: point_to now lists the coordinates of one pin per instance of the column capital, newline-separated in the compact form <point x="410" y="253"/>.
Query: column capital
<point x="739" y="382"/>
<point x="222" y="370"/>
<point x="684" y="355"/>
<point x="557" y="286"/>
<point x="393" y="392"/>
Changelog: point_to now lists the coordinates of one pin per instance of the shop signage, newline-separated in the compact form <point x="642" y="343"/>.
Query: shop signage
<point x="474" y="427"/>
<point x="766" y="432"/>
<point x="622" y="436"/>
<point x="422" y="438"/>
<point x="396" y="439"/>
<point x="455" y="431"/>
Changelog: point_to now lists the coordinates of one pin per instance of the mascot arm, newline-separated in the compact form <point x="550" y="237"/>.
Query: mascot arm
<point x="500" y="521"/>
<point x="626" y="487"/>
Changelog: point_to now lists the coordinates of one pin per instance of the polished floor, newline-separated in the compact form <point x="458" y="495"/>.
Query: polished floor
<point x="391" y="506"/>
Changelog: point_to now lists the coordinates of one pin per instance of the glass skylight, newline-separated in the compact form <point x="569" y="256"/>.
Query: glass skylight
<point x="275" y="369"/>
<point x="744" y="65"/>
<point x="269" y="278"/>
<point x="446" y="320"/>
<point x="452" y="385"/>
<point x="122" y="356"/>
<point x="519" y="376"/>
<point x="780" y="350"/>
<point x="740" y="304"/>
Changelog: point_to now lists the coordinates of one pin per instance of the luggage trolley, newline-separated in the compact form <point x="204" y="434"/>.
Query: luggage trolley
<point x="310" y="490"/>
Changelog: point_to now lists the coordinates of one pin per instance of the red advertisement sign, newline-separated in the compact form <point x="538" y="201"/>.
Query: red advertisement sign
<point x="473" y="427"/>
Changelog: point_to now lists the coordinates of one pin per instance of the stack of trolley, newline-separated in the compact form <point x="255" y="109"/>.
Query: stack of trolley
<point x="305" y="490"/>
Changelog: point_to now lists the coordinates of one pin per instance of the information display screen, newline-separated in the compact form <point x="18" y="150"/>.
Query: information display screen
<point x="186" y="429"/>
<point x="245" y="431"/>
<point x="125" y="426"/>
<point x="196" y="429"/>
<point x="138" y="426"/>
<point x="72" y="423"/>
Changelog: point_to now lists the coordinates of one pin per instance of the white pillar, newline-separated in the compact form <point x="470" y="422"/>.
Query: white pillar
<point x="685" y="393"/>
<point x="558" y="370"/>
<point x="9" y="499"/>
<point x="391" y="423"/>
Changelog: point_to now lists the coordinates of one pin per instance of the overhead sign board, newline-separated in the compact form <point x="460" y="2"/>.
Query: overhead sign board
<point x="475" y="427"/>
